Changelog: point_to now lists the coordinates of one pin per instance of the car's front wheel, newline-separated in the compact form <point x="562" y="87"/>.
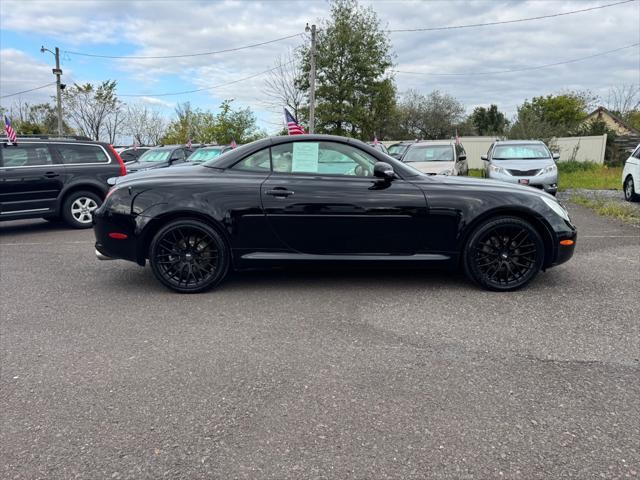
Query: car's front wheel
<point x="78" y="207"/>
<point x="189" y="256"/>
<point x="630" y="194"/>
<point x="503" y="254"/>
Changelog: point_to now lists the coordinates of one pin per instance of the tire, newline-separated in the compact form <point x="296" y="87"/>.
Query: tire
<point x="189" y="256"/>
<point x="503" y="254"/>
<point x="629" y="188"/>
<point x="77" y="208"/>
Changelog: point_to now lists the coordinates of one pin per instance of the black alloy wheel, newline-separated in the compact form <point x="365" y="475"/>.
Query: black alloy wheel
<point x="630" y="194"/>
<point x="188" y="256"/>
<point x="504" y="254"/>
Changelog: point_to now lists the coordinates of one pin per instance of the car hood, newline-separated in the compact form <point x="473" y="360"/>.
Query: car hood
<point x="165" y="174"/>
<point x="139" y="166"/>
<point x="523" y="164"/>
<point x="432" y="167"/>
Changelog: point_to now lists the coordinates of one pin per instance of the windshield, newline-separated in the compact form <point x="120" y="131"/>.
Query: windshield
<point x="397" y="149"/>
<point x="159" y="155"/>
<point x="521" y="152"/>
<point x="205" y="154"/>
<point x="429" y="153"/>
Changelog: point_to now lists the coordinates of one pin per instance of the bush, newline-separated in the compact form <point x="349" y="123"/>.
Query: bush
<point x="575" y="166"/>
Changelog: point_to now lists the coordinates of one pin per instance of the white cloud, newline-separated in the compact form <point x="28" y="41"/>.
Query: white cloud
<point x="154" y="28"/>
<point x="157" y="102"/>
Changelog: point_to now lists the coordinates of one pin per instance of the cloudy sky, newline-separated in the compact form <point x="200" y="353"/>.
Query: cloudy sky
<point x="163" y="28"/>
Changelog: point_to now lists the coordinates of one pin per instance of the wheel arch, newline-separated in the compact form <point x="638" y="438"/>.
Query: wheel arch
<point x="161" y="220"/>
<point x="94" y="188"/>
<point x="539" y="223"/>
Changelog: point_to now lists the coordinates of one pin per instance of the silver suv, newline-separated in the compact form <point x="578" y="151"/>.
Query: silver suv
<point x="527" y="162"/>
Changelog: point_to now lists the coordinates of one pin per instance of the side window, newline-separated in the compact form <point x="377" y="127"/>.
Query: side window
<point x="177" y="154"/>
<point x="256" y="162"/>
<point x="72" y="154"/>
<point x="636" y="153"/>
<point x="324" y="158"/>
<point x="26" y="155"/>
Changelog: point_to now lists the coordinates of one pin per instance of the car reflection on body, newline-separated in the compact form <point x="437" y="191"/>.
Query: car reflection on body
<point x="204" y="154"/>
<point x="322" y="198"/>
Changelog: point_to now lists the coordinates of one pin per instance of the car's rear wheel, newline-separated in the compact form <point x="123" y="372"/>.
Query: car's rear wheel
<point x="78" y="207"/>
<point x="504" y="254"/>
<point x="189" y="256"/>
<point x="630" y="194"/>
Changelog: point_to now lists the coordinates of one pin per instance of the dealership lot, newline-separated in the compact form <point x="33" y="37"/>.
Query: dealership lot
<point x="318" y="374"/>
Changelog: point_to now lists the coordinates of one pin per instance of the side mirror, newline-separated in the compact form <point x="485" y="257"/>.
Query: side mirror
<point x="383" y="170"/>
<point x="462" y="158"/>
<point x="484" y="157"/>
<point x="556" y="156"/>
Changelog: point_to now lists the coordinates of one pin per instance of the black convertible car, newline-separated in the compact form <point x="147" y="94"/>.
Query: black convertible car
<point x="320" y="198"/>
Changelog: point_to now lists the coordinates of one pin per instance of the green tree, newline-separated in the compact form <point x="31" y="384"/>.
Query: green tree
<point x="90" y="107"/>
<point x="429" y="117"/>
<point x="489" y="121"/>
<point x="354" y="94"/>
<point x="205" y="127"/>
<point x="551" y="116"/>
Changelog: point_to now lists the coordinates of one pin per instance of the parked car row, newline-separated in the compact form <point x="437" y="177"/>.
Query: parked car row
<point x="66" y="178"/>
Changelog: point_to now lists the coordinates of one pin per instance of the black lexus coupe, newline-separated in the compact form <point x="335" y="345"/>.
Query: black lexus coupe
<point x="320" y="198"/>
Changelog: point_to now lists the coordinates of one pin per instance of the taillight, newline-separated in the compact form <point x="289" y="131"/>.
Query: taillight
<point x="123" y="168"/>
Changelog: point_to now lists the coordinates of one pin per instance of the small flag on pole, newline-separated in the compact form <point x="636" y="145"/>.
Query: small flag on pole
<point x="457" y="138"/>
<point x="375" y="140"/>
<point x="189" y="144"/>
<point x="8" y="129"/>
<point x="293" y="127"/>
<point x="233" y="143"/>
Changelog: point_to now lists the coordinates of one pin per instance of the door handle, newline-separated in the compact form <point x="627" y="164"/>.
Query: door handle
<point x="51" y="174"/>
<point x="280" y="192"/>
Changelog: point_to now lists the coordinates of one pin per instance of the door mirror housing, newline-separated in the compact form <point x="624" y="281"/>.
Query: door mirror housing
<point x="383" y="170"/>
<point x="556" y="157"/>
<point x="462" y="158"/>
<point x="484" y="157"/>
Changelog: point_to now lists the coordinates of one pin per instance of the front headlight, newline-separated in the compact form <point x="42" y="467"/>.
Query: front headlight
<point x="496" y="169"/>
<point x="548" y="169"/>
<point x="556" y="207"/>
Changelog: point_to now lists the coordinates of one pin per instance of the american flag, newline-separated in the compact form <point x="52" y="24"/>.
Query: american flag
<point x="457" y="138"/>
<point x="375" y="140"/>
<point x="292" y="124"/>
<point x="8" y="129"/>
<point x="189" y="144"/>
<point x="233" y="143"/>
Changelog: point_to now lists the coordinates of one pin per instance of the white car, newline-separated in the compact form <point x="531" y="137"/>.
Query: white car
<point x="631" y="177"/>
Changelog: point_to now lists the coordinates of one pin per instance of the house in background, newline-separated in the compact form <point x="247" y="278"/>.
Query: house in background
<point x="612" y="121"/>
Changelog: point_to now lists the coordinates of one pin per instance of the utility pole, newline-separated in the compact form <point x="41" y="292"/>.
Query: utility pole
<point x="58" y="73"/>
<point x="312" y="78"/>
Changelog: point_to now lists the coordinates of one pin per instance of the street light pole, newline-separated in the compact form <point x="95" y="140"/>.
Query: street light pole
<point x="58" y="73"/>
<point x="312" y="79"/>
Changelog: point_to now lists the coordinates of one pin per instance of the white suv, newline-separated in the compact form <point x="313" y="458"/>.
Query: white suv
<point x="631" y="177"/>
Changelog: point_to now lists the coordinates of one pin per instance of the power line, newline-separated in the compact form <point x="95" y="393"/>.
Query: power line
<point x="519" y="20"/>
<point x="522" y="69"/>
<point x="27" y="91"/>
<point x="186" y="54"/>
<point x="205" y="88"/>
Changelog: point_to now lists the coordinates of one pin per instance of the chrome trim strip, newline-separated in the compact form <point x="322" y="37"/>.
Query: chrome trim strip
<point x="26" y="211"/>
<point x="309" y="256"/>
<point x="62" y="164"/>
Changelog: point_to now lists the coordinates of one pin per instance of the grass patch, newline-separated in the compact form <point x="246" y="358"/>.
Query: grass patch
<point x="475" y="172"/>
<point x="620" y="211"/>
<point x="587" y="175"/>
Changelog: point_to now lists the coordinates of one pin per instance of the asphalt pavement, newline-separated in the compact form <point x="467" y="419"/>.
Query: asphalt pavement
<point x="300" y="374"/>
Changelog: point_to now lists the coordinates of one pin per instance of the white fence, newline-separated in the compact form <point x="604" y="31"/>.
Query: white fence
<point x="581" y="149"/>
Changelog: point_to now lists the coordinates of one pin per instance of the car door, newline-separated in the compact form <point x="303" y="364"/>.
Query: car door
<point x="322" y="199"/>
<point x="30" y="180"/>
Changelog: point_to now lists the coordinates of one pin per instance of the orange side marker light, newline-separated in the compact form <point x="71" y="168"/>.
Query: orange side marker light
<point x="567" y="243"/>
